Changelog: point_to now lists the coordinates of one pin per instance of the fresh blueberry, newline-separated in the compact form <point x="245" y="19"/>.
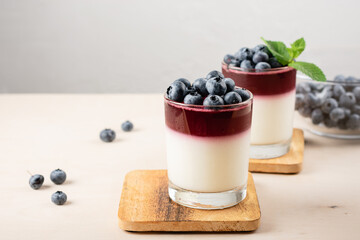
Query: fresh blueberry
<point x="350" y="79"/>
<point x="216" y="86"/>
<point x="193" y="98"/>
<point x="274" y="63"/>
<point x="107" y="135"/>
<point x="262" y="48"/>
<point x="232" y="98"/>
<point x="356" y="92"/>
<point x="184" y="81"/>
<point x="59" y="198"/>
<point x="337" y="114"/>
<point x="236" y="63"/>
<point x="176" y="91"/>
<point x="127" y="126"/>
<point x="328" y="105"/>
<point x="190" y="89"/>
<point x="58" y="176"/>
<point x="214" y="74"/>
<point x="244" y="54"/>
<point x="299" y="101"/>
<point x="213" y="100"/>
<point x="230" y="84"/>
<point x="347" y="100"/>
<point x="200" y="86"/>
<point x="228" y="58"/>
<point x="36" y="181"/>
<point x="262" y="66"/>
<point x="338" y="90"/>
<point x="317" y="116"/>
<point x="329" y="123"/>
<point x="303" y="87"/>
<point x="305" y="111"/>
<point x="342" y="124"/>
<point x="339" y="78"/>
<point x="356" y="109"/>
<point x="247" y="64"/>
<point x="260" y="57"/>
<point x="353" y="122"/>
<point x="312" y="100"/>
<point x="347" y="112"/>
<point x="244" y="94"/>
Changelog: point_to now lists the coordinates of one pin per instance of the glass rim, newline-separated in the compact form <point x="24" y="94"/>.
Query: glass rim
<point x="255" y="71"/>
<point x="304" y="77"/>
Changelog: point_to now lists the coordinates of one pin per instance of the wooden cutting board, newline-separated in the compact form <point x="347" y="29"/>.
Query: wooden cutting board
<point x="146" y="206"/>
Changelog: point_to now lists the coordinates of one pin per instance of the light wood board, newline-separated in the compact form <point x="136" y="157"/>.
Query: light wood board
<point x="288" y="163"/>
<point x="146" y="206"/>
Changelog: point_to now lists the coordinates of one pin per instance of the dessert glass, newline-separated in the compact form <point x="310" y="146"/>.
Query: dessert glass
<point x="274" y="103"/>
<point x="207" y="149"/>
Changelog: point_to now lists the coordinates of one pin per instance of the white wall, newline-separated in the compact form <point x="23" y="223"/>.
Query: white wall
<point x="141" y="46"/>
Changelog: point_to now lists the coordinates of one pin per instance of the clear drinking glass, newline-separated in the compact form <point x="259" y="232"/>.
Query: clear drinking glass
<point x="274" y="103"/>
<point x="207" y="153"/>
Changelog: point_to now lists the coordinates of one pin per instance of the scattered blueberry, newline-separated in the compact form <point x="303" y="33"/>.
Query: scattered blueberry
<point x="247" y="64"/>
<point x="58" y="176"/>
<point x="347" y="100"/>
<point x="216" y="86"/>
<point x="228" y="58"/>
<point x="176" y="91"/>
<point x="232" y="98"/>
<point x="328" y="105"/>
<point x="193" y="98"/>
<point x="213" y="100"/>
<point x="260" y="57"/>
<point x="353" y="122"/>
<point x="230" y="84"/>
<point x="262" y="66"/>
<point x="127" y="126"/>
<point x="59" y="198"/>
<point x="274" y="63"/>
<point x="184" y="81"/>
<point x="107" y="135"/>
<point x="200" y="86"/>
<point x="317" y="116"/>
<point x="337" y="114"/>
<point x="244" y="94"/>
<point x="214" y="74"/>
<point x="36" y="181"/>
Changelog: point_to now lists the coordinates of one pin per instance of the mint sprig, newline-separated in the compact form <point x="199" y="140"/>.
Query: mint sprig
<point x="286" y="56"/>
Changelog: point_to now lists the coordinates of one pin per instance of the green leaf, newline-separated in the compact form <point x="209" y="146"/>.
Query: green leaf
<point x="298" y="47"/>
<point x="309" y="69"/>
<point x="278" y="49"/>
<point x="291" y="53"/>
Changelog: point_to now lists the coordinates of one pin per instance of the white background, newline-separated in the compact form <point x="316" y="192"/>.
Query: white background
<point x="108" y="46"/>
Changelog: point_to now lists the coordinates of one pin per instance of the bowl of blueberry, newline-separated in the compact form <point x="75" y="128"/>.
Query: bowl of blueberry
<point x="330" y="108"/>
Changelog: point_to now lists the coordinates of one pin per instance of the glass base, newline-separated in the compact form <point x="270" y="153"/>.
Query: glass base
<point x="204" y="200"/>
<point x="269" y="151"/>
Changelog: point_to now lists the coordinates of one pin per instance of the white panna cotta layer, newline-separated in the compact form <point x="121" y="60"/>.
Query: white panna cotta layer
<point x="207" y="164"/>
<point x="272" y="120"/>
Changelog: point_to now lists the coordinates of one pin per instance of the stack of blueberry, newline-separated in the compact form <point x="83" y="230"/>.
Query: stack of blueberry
<point x="334" y="105"/>
<point x="258" y="58"/>
<point x="213" y="90"/>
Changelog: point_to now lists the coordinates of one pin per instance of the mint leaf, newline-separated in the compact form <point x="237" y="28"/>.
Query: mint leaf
<point x="291" y="53"/>
<point x="298" y="47"/>
<point x="278" y="49"/>
<point x="309" y="69"/>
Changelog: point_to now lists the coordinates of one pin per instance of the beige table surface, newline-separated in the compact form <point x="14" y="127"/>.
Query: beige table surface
<point x="39" y="133"/>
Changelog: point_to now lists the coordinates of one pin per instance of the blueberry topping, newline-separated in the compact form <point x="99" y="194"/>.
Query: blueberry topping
<point x="247" y="64"/>
<point x="244" y="94"/>
<point x="59" y="198"/>
<point x="184" y="81"/>
<point x="230" y="84"/>
<point x="127" y="126"/>
<point x="107" y="135"/>
<point x="274" y="63"/>
<point x="58" y="176"/>
<point x="214" y="74"/>
<point x="337" y="114"/>
<point x="262" y="48"/>
<point x="262" y="66"/>
<point x="176" y="91"/>
<point x="200" y="86"/>
<point x="232" y="98"/>
<point x="213" y="100"/>
<point x="328" y="105"/>
<point x="228" y="58"/>
<point x="193" y="98"/>
<point x="244" y="54"/>
<point x="36" y="181"/>
<point x="260" y="57"/>
<point x="216" y="86"/>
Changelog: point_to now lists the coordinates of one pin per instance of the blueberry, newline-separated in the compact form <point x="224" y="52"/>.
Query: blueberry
<point x="176" y="91"/>
<point x="299" y="100"/>
<point x="59" y="198"/>
<point x="347" y="100"/>
<point x="232" y="98"/>
<point x="236" y="63"/>
<point x="347" y="112"/>
<point x="36" y="181"/>
<point x="200" y="86"/>
<point x="303" y="87"/>
<point x="339" y="78"/>
<point x="214" y="74"/>
<point x="107" y="135"/>
<point x="216" y="86"/>
<point x="230" y="84"/>
<point x="329" y="123"/>
<point x="356" y="92"/>
<point x="274" y="63"/>
<point x="342" y="124"/>
<point x="260" y="57"/>
<point x="247" y="64"/>
<point x="127" y="126"/>
<point x="312" y="100"/>
<point x="262" y="48"/>
<point x="337" y="114"/>
<point x="244" y="94"/>
<point x="213" y="100"/>
<point x="305" y="111"/>
<point x="350" y="79"/>
<point x="338" y="90"/>
<point x="190" y="89"/>
<point x="262" y="66"/>
<point x="228" y="58"/>
<point x="353" y="122"/>
<point x="328" y="105"/>
<point x="193" y="98"/>
<point x="317" y="116"/>
<point x="58" y="176"/>
<point x="184" y="81"/>
<point x="356" y="109"/>
<point x="244" y="54"/>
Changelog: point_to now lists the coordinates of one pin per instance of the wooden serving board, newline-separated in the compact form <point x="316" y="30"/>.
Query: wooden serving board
<point x="288" y="163"/>
<point x="146" y="206"/>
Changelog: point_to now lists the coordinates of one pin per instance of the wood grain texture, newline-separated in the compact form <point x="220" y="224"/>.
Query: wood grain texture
<point x="146" y="206"/>
<point x="288" y="163"/>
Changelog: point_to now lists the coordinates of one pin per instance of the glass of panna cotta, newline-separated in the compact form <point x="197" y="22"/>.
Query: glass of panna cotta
<point x="274" y="101"/>
<point x="208" y="153"/>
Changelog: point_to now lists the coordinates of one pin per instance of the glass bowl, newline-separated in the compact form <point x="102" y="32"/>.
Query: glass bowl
<point x="331" y="108"/>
